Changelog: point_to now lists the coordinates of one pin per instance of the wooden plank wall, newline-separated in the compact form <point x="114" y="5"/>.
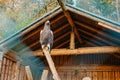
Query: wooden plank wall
<point x="98" y="67"/>
<point x="98" y="73"/>
<point x="90" y="59"/>
<point x="10" y="70"/>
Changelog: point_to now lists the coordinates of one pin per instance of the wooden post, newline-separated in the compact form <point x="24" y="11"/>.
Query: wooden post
<point x="28" y="72"/>
<point x="44" y="75"/>
<point x="51" y="64"/>
<point x="72" y="40"/>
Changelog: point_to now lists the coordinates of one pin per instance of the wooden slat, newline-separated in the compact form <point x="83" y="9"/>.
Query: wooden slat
<point x="13" y="71"/>
<point x="3" y="68"/>
<point x="117" y="75"/>
<point x="100" y="75"/>
<point x="44" y="75"/>
<point x="111" y="75"/>
<point x="16" y="71"/>
<point x="94" y="74"/>
<point x="28" y="72"/>
<point x="85" y="50"/>
<point x="105" y="76"/>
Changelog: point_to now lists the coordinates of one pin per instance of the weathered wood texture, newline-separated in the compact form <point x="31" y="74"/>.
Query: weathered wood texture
<point x="11" y="70"/>
<point x="51" y="64"/>
<point x="28" y="72"/>
<point x="94" y="72"/>
<point x="44" y="75"/>
<point x="84" y="50"/>
<point x="69" y="19"/>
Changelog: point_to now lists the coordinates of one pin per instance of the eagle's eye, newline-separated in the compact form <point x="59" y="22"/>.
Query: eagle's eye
<point x="48" y="23"/>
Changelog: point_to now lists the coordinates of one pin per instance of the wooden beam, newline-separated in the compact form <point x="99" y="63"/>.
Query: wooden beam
<point x="70" y="21"/>
<point x="85" y="50"/>
<point x="96" y="31"/>
<point x="28" y="72"/>
<point x="96" y="20"/>
<point x="97" y="37"/>
<point x="58" y="39"/>
<point x="62" y="44"/>
<point x="51" y="64"/>
<point x="61" y="28"/>
<point x="109" y="27"/>
<point x="44" y="75"/>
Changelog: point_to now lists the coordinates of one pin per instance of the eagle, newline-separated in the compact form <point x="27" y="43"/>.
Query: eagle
<point x="46" y="36"/>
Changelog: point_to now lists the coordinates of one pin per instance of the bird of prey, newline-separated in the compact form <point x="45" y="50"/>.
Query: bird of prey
<point x="46" y="36"/>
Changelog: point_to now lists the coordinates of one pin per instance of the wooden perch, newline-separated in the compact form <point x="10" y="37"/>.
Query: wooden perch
<point x="28" y="72"/>
<point x="51" y="64"/>
<point x="85" y="50"/>
<point x="44" y="75"/>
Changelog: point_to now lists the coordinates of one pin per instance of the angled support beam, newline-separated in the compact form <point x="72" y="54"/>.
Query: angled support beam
<point x="66" y="13"/>
<point x="85" y="50"/>
<point x="51" y="64"/>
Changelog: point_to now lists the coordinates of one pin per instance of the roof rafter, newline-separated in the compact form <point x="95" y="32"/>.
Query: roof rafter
<point x="96" y="30"/>
<point x="95" y="36"/>
<point x="66" y="13"/>
<point x="62" y="44"/>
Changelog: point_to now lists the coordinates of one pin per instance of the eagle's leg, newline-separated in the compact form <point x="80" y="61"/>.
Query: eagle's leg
<point x="48" y="45"/>
<point x="43" y="46"/>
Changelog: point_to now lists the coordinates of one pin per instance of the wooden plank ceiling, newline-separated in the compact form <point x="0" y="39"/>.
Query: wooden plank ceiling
<point x="88" y="30"/>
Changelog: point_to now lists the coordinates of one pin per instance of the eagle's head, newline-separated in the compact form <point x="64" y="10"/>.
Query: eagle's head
<point x="47" y="25"/>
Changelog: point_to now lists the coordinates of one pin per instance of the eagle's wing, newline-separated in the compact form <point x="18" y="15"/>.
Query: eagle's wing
<point x="51" y="39"/>
<point x="46" y="38"/>
<point x="41" y="36"/>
